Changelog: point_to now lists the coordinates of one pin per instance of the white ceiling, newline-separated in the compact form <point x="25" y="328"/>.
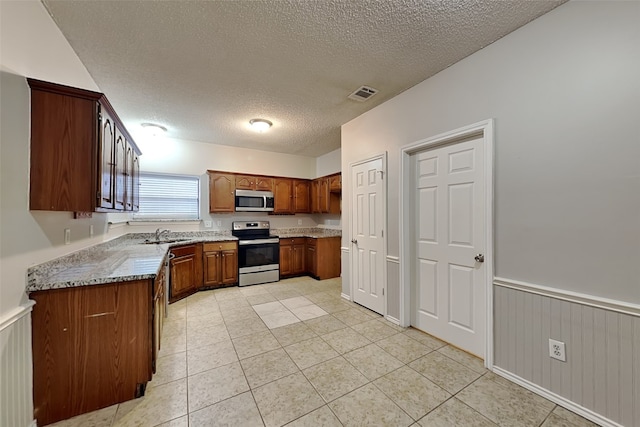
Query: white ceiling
<point x="203" y="69"/>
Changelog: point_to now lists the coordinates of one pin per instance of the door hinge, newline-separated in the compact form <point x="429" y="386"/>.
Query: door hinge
<point x="381" y="233"/>
<point x="382" y="291"/>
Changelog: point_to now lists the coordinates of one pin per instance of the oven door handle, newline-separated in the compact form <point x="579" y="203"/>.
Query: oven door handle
<point x="257" y="242"/>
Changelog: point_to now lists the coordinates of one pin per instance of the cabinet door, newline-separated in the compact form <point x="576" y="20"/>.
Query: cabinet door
<point x="315" y="205"/>
<point x="221" y="192"/>
<point x="120" y="164"/>
<point x="107" y="161"/>
<point x="212" y="268"/>
<point x="135" y="188"/>
<point x="298" y="259"/>
<point x="283" y="195"/>
<point x="229" y="274"/>
<point x="245" y="182"/>
<point x="311" y="259"/>
<point x="263" y="183"/>
<point x="183" y="276"/>
<point x="286" y="253"/>
<point x="128" y="195"/>
<point x="323" y="195"/>
<point x="301" y="196"/>
<point x="335" y="182"/>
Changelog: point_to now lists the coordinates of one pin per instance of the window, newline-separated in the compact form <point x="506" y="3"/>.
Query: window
<point x="168" y="196"/>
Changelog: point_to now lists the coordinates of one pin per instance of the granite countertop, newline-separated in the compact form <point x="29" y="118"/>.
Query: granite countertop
<point x="123" y="259"/>
<point x="316" y="233"/>
<point x="128" y="258"/>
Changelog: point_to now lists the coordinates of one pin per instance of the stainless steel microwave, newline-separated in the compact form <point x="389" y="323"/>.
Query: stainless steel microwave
<point x="254" y="201"/>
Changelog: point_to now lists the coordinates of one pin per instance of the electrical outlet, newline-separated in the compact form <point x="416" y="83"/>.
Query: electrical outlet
<point x="207" y="224"/>
<point x="67" y="236"/>
<point x="218" y="223"/>
<point x="557" y="350"/>
<point x="91" y="230"/>
<point x="299" y="222"/>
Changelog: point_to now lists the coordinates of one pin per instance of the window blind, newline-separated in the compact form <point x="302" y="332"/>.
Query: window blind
<point x="168" y="196"/>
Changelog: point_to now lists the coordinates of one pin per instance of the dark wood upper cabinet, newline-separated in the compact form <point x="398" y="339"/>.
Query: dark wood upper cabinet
<point x="222" y="192"/>
<point x="254" y="182"/>
<point x="107" y="163"/>
<point x="76" y="163"/>
<point x="301" y="198"/>
<point x="283" y="196"/>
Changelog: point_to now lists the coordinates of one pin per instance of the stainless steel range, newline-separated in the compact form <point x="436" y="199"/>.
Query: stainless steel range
<point x="258" y="253"/>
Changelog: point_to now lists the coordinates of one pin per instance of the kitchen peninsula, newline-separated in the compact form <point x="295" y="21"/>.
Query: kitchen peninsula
<point x="97" y="322"/>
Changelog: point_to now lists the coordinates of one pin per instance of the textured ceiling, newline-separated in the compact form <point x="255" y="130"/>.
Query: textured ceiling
<point x="203" y="69"/>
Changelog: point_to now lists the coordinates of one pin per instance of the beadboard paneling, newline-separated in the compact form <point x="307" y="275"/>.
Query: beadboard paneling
<point x="16" y="405"/>
<point x="602" y="371"/>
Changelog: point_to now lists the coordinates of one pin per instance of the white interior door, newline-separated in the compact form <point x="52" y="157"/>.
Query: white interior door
<point x="448" y="283"/>
<point x="367" y="234"/>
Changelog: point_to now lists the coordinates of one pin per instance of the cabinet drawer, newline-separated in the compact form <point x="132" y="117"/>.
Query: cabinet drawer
<point x="184" y="250"/>
<point x="292" y="241"/>
<point x="312" y="241"/>
<point x="219" y="246"/>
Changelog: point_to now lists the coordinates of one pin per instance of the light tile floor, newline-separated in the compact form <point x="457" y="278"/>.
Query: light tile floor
<point x="295" y="353"/>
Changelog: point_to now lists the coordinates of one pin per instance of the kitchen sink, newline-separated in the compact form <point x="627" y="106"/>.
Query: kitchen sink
<point x="160" y="242"/>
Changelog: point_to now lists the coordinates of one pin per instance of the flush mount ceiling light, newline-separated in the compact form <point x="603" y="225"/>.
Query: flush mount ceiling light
<point x="153" y="130"/>
<point x="260" y="125"/>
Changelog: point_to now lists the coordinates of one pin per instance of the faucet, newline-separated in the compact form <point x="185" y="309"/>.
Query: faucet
<point x="160" y="233"/>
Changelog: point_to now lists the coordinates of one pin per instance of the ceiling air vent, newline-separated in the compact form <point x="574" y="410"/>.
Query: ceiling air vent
<point x="363" y="93"/>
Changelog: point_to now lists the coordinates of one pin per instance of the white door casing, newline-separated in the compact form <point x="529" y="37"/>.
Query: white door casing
<point x="368" y="208"/>
<point x="446" y="216"/>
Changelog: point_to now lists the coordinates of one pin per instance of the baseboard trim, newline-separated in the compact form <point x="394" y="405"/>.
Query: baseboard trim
<point x="557" y="399"/>
<point x="576" y="297"/>
<point x="345" y="296"/>
<point x="392" y="320"/>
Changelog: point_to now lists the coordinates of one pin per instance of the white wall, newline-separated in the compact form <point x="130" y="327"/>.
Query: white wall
<point x="31" y="45"/>
<point x="565" y="95"/>
<point x="328" y="164"/>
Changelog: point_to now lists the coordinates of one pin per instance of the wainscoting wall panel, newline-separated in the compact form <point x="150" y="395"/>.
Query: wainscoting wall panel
<point x="602" y="371"/>
<point x="16" y="401"/>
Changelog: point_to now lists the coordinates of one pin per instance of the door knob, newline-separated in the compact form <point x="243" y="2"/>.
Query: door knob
<point x="479" y="258"/>
<point x="354" y="241"/>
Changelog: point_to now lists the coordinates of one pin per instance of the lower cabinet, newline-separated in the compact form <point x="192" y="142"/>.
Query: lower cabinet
<point x="220" y="264"/>
<point x="93" y="347"/>
<point x="318" y="257"/>
<point x="185" y="271"/>
<point x="292" y="256"/>
<point x="324" y="257"/>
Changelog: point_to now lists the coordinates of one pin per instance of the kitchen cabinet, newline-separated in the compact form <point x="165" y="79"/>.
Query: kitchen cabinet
<point x="220" y="264"/>
<point x="159" y="305"/>
<point x="222" y="192"/>
<point x="283" y="196"/>
<point x="301" y="196"/>
<point x="185" y="271"/>
<point x="254" y="182"/>
<point x="326" y="194"/>
<point x="292" y="256"/>
<point x="335" y="182"/>
<point x="132" y="179"/>
<point x="78" y="151"/>
<point x="323" y="257"/>
<point x="92" y="347"/>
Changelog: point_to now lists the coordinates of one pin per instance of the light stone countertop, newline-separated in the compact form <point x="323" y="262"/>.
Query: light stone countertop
<point x="128" y="258"/>
<point x="123" y="259"/>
